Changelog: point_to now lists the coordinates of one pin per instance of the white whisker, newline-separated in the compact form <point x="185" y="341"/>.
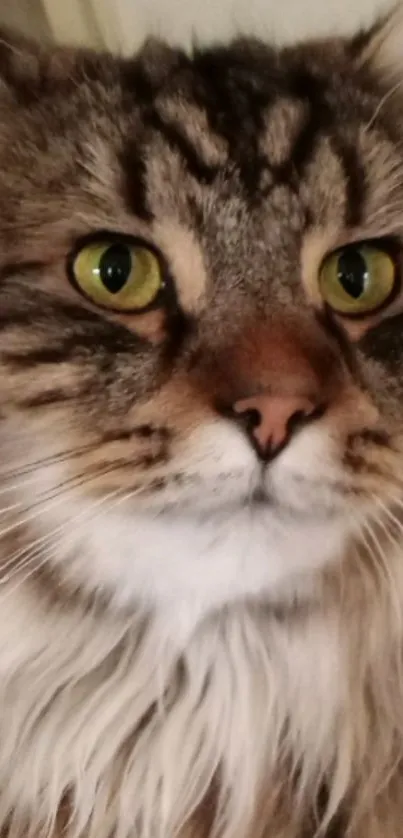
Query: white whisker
<point x="57" y="531"/>
<point x="381" y="104"/>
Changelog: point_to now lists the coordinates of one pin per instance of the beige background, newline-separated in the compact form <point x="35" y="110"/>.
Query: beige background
<point x="122" y="24"/>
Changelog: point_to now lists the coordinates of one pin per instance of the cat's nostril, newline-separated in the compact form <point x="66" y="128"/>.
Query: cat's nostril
<point x="295" y="421"/>
<point x="301" y="418"/>
<point x="271" y="420"/>
<point x="250" y="419"/>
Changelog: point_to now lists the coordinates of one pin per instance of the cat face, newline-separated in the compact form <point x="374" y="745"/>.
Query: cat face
<point x="201" y="313"/>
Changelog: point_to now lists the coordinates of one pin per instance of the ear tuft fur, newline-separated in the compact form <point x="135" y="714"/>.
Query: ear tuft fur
<point x="381" y="48"/>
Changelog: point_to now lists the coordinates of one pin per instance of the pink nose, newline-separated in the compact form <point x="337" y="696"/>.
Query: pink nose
<point x="273" y="419"/>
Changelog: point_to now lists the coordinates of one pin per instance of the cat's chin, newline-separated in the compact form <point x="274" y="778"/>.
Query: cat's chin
<point x="188" y="562"/>
<point x="294" y="501"/>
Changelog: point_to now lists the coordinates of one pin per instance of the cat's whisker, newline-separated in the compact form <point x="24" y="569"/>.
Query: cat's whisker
<point x="54" y="536"/>
<point x="23" y="579"/>
<point x="390" y="501"/>
<point x="374" y="553"/>
<point x="57" y="495"/>
<point x="126" y="497"/>
<point x="55" y="498"/>
<point x="12" y="48"/>
<point x="379" y="560"/>
<point x="50" y="460"/>
<point x="83" y="514"/>
<point x="388" y="512"/>
<point x="382" y="555"/>
<point x="98" y="471"/>
<point x="22" y="554"/>
<point x="28" y="562"/>
<point x="21" y="485"/>
<point x="5" y="509"/>
<point x="15" y="487"/>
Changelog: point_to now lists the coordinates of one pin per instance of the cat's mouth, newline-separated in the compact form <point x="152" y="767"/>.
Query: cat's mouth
<point x="306" y="480"/>
<point x="230" y="494"/>
<point x="261" y="497"/>
<point x="312" y="503"/>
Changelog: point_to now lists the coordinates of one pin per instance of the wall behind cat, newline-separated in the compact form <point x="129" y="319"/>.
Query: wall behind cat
<point x="121" y="25"/>
<point x="180" y="21"/>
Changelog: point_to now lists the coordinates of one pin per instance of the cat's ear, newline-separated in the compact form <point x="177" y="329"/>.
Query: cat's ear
<point x="381" y="47"/>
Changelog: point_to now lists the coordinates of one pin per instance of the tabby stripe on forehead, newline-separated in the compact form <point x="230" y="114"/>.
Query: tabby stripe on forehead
<point x="309" y="92"/>
<point x="306" y="142"/>
<point x="317" y="117"/>
<point x="176" y="139"/>
<point x="134" y="181"/>
<point x="135" y="79"/>
<point x="301" y="154"/>
<point x="321" y="121"/>
<point x="355" y="178"/>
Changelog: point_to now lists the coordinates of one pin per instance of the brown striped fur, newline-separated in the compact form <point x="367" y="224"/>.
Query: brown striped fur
<point x="195" y="642"/>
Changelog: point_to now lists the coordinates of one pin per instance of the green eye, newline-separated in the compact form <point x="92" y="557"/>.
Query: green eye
<point x="118" y="275"/>
<point x="357" y="279"/>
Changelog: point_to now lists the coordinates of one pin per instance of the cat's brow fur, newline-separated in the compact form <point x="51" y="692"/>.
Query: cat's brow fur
<point x="185" y="691"/>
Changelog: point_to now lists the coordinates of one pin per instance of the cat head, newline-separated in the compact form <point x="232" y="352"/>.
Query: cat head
<point x="201" y="312"/>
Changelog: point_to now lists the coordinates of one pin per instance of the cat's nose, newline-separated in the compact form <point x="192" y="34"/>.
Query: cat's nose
<point x="272" y="420"/>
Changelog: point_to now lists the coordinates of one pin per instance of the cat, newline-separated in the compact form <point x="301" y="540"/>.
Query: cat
<point x="201" y="440"/>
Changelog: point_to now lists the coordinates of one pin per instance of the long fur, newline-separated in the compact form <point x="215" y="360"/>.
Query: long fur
<point x="277" y="711"/>
<point x="140" y="728"/>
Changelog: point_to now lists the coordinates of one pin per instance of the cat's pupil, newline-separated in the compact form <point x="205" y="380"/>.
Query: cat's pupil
<point x="115" y="267"/>
<point x="353" y="273"/>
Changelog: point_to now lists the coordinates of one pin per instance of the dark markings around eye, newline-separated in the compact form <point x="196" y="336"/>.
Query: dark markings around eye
<point x="383" y="342"/>
<point x="90" y="337"/>
<point x="71" y="348"/>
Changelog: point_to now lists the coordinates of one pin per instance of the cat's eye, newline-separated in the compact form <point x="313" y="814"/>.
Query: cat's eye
<point x="118" y="274"/>
<point x="357" y="279"/>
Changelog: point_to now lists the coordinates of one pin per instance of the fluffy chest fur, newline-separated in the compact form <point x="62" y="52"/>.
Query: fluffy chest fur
<point x="172" y="724"/>
<point x="136" y="731"/>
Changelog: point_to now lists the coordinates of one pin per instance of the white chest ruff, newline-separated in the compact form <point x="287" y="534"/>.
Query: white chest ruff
<point x="75" y="695"/>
